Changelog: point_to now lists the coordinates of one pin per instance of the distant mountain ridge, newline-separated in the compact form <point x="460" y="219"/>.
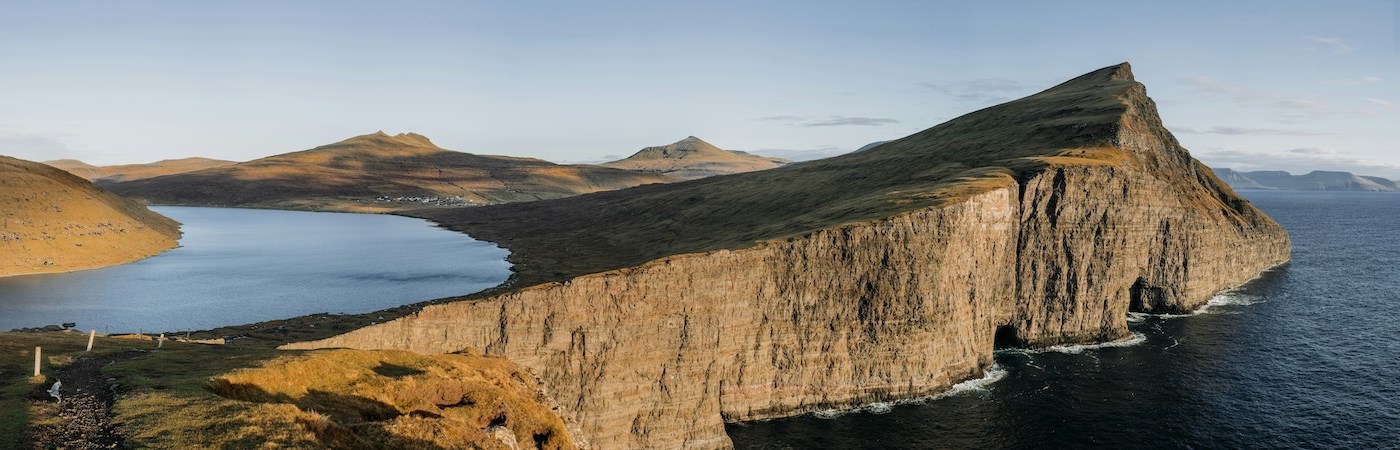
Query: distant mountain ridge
<point x="1317" y="180"/>
<point x="108" y="175"/>
<point x="378" y="172"/>
<point x="692" y="158"/>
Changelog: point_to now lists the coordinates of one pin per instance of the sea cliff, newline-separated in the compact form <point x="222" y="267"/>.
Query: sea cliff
<point x="1040" y="221"/>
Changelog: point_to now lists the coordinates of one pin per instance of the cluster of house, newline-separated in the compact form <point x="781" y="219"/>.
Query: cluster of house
<point x="438" y="201"/>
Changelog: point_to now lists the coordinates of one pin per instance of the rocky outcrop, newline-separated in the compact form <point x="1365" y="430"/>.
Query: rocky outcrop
<point x="1041" y="221"/>
<point x="53" y="221"/>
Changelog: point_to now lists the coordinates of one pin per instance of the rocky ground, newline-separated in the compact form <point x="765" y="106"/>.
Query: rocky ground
<point x="82" y="420"/>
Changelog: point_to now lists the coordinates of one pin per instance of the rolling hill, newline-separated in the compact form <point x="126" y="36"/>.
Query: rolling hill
<point x="108" y="175"/>
<point x="378" y="172"/>
<point x="692" y="158"/>
<point x="54" y="221"/>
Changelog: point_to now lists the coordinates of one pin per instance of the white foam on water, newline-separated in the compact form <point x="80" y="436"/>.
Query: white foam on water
<point x="1135" y="339"/>
<point x="992" y="375"/>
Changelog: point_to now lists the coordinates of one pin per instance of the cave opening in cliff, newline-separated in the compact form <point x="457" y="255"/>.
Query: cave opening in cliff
<point x="1006" y="337"/>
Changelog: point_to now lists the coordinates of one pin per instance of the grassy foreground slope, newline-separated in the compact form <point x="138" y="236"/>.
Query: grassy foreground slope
<point x="201" y="396"/>
<point x="1072" y="123"/>
<point x="53" y="221"/>
<point x="378" y="173"/>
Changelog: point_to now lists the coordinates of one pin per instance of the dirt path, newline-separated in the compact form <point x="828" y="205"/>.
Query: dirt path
<point x="84" y="418"/>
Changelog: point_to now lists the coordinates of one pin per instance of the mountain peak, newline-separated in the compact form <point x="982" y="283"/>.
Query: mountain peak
<point x="380" y="137"/>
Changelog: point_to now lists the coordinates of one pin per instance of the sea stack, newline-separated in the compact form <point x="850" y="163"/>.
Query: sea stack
<point x="654" y="315"/>
<point x="54" y="221"/>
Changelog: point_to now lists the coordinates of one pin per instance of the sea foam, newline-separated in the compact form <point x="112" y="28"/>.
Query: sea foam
<point x="991" y="375"/>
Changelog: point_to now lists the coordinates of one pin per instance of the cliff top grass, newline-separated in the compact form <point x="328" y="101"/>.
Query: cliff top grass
<point x="1073" y="123"/>
<point x="202" y="396"/>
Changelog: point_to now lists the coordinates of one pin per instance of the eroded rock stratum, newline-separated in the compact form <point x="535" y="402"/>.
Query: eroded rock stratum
<point x="878" y="275"/>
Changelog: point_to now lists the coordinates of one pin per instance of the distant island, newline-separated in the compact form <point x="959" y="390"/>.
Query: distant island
<point x="1317" y="180"/>
<point x="692" y="158"/>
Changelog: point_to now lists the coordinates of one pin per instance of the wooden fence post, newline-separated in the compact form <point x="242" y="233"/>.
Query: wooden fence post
<point x="37" y="352"/>
<point x="161" y="341"/>
<point x="91" y="335"/>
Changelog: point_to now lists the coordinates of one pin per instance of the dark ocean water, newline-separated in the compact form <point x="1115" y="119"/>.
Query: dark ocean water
<point x="1306" y="356"/>
<point x="237" y="266"/>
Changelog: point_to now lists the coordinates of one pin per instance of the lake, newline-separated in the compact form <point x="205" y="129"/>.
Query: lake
<point x="238" y="266"/>
<point x="1307" y="356"/>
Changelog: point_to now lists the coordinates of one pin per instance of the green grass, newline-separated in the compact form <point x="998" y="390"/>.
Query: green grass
<point x="17" y="383"/>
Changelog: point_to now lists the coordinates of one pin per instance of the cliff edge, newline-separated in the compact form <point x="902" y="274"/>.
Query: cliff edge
<point x="53" y="221"/>
<point x="655" y="314"/>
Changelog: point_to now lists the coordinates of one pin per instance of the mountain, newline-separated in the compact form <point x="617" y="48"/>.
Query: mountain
<point x="870" y="146"/>
<point x="692" y="158"/>
<point x="108" y="175"/>
<point x="53" y="221"/>
<point x="654" y="315"/>
<point x="1317" y="180"/>
<point x="379" y="172"/>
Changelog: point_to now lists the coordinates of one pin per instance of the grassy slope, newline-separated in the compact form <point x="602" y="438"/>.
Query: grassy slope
<point x="349" y="175"/>
<point x="53" y="221"/>
<point x="106" y="175"/>
<point x="197" y="396"/>
<point x="1073" y="123"/>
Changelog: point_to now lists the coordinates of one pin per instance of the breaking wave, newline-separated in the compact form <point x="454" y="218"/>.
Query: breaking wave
<point x="991" y="375"/>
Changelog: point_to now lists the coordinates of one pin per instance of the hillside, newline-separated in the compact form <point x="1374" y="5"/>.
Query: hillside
<point x="53" y="221"/>
<point x="654" y="315"/>
<point x="108" y="175"/>
<point x="692" y="158"/>
<point x="378" y="172"/>
<point x="1317" y="180"/>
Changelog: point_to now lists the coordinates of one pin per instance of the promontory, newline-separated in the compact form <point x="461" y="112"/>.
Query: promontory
<point x="653" y="315"/>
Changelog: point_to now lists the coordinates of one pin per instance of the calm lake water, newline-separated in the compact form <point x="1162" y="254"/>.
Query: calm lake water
<point x="1307" y="356"/>
<point x="237" y="266"/>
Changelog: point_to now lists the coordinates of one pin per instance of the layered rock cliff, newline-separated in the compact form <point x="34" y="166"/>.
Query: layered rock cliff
<point x="53" y="221"/>
<point x="654" y="315"/>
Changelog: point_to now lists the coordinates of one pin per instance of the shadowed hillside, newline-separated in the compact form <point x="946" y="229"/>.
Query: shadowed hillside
<point x="379" y="172"/>
<point x="53" y="221"/>
<point x="692" y="158"/>
<point x="108" y="175"/>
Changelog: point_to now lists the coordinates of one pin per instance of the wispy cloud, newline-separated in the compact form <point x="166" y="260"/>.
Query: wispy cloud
<point x="1248" y="131"/>
<point x="1331" y="43"/>
<point x="1349" y="82"/>
<point x="1285" y="109"/>
<point x="985" y="90"/>
<point x="1298" y="160"/>
<point x="34" y="146"/>
<point x="830" y="121"/>
<point x="1387" y="104"/>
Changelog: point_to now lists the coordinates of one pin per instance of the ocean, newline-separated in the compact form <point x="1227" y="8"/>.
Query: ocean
<point x="1305" y="356"/>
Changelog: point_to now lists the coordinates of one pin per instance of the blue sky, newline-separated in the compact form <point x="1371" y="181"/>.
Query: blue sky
<point x="1251" y="85"/>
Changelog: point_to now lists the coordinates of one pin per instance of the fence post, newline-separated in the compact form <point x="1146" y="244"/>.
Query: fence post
<point x="161" y="341"/>
<point x="37" y="352"/>
<point x="91" y="335"/>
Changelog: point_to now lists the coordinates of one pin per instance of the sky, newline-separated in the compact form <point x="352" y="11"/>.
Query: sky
<point x="1249" y="85"/>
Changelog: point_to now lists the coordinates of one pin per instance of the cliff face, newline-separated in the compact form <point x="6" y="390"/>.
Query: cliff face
<point x="1041" y="221"/>
<point x="53" y="221"/>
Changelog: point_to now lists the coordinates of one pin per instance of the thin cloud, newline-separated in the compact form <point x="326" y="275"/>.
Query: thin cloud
<point x="830" y="121"/>
<point x="1249" y="131"/>
<point x="1383" y="103"/>
<point x="1350" y="82"/>
<point x="1285" y="109"/>
<point x="34" y="146"/>
<point x="985" y="90"/>
<point x="1333" y="44"/>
